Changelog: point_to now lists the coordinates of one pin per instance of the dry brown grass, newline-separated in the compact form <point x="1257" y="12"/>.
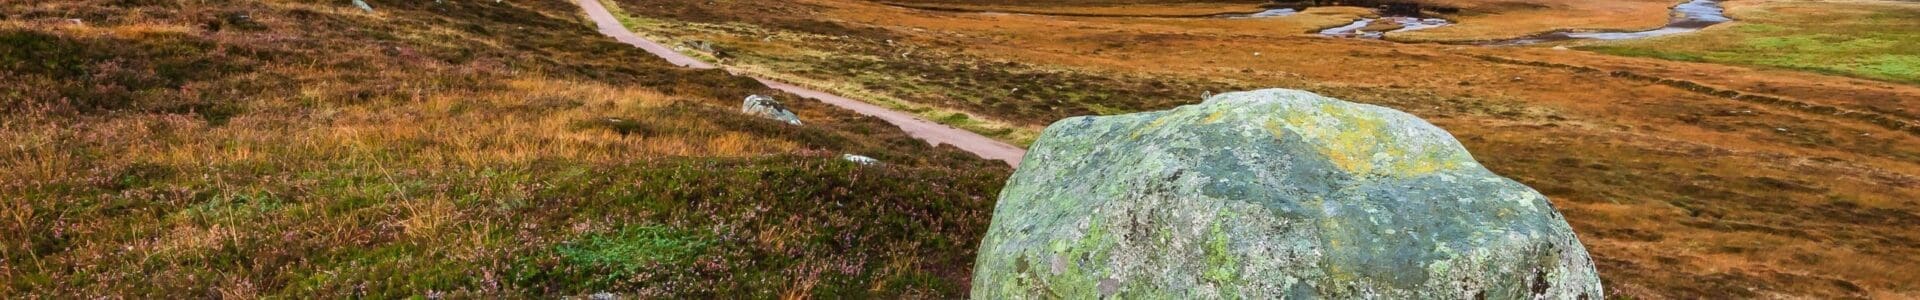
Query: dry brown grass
<point x="1491" y="20"/>
<point x="461" y="128"/>
<point x="1101" y="9"/>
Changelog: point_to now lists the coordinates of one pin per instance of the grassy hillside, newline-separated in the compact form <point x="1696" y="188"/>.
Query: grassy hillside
<point x="292" y="148"/>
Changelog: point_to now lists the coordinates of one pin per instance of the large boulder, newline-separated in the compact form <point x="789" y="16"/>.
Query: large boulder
<point x="766" y="107"/>
<point x="1271" y="194"/>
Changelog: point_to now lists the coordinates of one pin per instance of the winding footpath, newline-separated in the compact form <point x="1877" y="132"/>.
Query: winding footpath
<point x="929" y="131"/>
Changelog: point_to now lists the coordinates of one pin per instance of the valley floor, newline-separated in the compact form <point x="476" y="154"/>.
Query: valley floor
<point x="1685" y="179"/>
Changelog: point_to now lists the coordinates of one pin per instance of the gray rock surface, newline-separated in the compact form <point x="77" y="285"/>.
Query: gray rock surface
<point x="766" y="107"/>
<point x="1271" y="194"/>
<point x="362" y="4"/>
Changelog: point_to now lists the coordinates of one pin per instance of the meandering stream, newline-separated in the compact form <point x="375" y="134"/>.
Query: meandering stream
<point x="1686" y="17"/>
<point x="1270" y="13"/>
<point x="1355" y="29"/>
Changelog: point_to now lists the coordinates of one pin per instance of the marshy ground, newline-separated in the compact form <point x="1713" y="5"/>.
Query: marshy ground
<point x="1775" y="156"/>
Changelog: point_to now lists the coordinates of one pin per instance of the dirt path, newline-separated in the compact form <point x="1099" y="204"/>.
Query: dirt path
<point x="925" y="130"/>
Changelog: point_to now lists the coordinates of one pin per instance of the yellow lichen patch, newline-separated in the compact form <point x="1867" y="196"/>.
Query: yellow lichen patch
<point x="1157" y="122"/>
<point x="1214" y="118"/>
<point x="1352" y="145"/>
<point x="1278" y="130"/>
<point x="1426" y="162"/>
<point x="1360" y="144"/>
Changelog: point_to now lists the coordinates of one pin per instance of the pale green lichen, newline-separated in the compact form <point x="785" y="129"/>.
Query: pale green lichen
<point x="1222" y="268"/>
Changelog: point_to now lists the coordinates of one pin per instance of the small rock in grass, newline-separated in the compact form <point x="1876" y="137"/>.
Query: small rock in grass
<point x="766" y="107"/>
<point x="859" y="159"/>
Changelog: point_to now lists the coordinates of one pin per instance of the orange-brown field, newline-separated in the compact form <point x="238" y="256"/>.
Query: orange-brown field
<point x="1111" y="10"/>
<point x="1478" y="19"/>
<point x="1484" y="19"/>
<point x="1684" y="179"/>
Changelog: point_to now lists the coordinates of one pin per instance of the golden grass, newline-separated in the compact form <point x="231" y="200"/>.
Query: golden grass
<point x="459" y="128"/>
<point x="1492" y="20"/>
<point x="1127" y="10"/>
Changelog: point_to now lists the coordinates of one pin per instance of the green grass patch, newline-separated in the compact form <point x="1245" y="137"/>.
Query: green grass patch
<point x="1645" y="52"/>
<point x="635" y="248"/>
<point x="1867" y="40"/>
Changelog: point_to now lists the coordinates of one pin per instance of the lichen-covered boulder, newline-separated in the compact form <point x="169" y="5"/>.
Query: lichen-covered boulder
<point x="1271" y="194"/>
<point x="766" y="107"/>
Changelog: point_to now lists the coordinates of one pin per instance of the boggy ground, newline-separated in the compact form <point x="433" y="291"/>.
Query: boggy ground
<point x="474" y="149"/>
<point x="1684" y="179"/>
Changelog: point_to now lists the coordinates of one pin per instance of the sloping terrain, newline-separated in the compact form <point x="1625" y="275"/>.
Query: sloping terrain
<point x="1684" y="179"/>
<point x="163" y="149"/>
